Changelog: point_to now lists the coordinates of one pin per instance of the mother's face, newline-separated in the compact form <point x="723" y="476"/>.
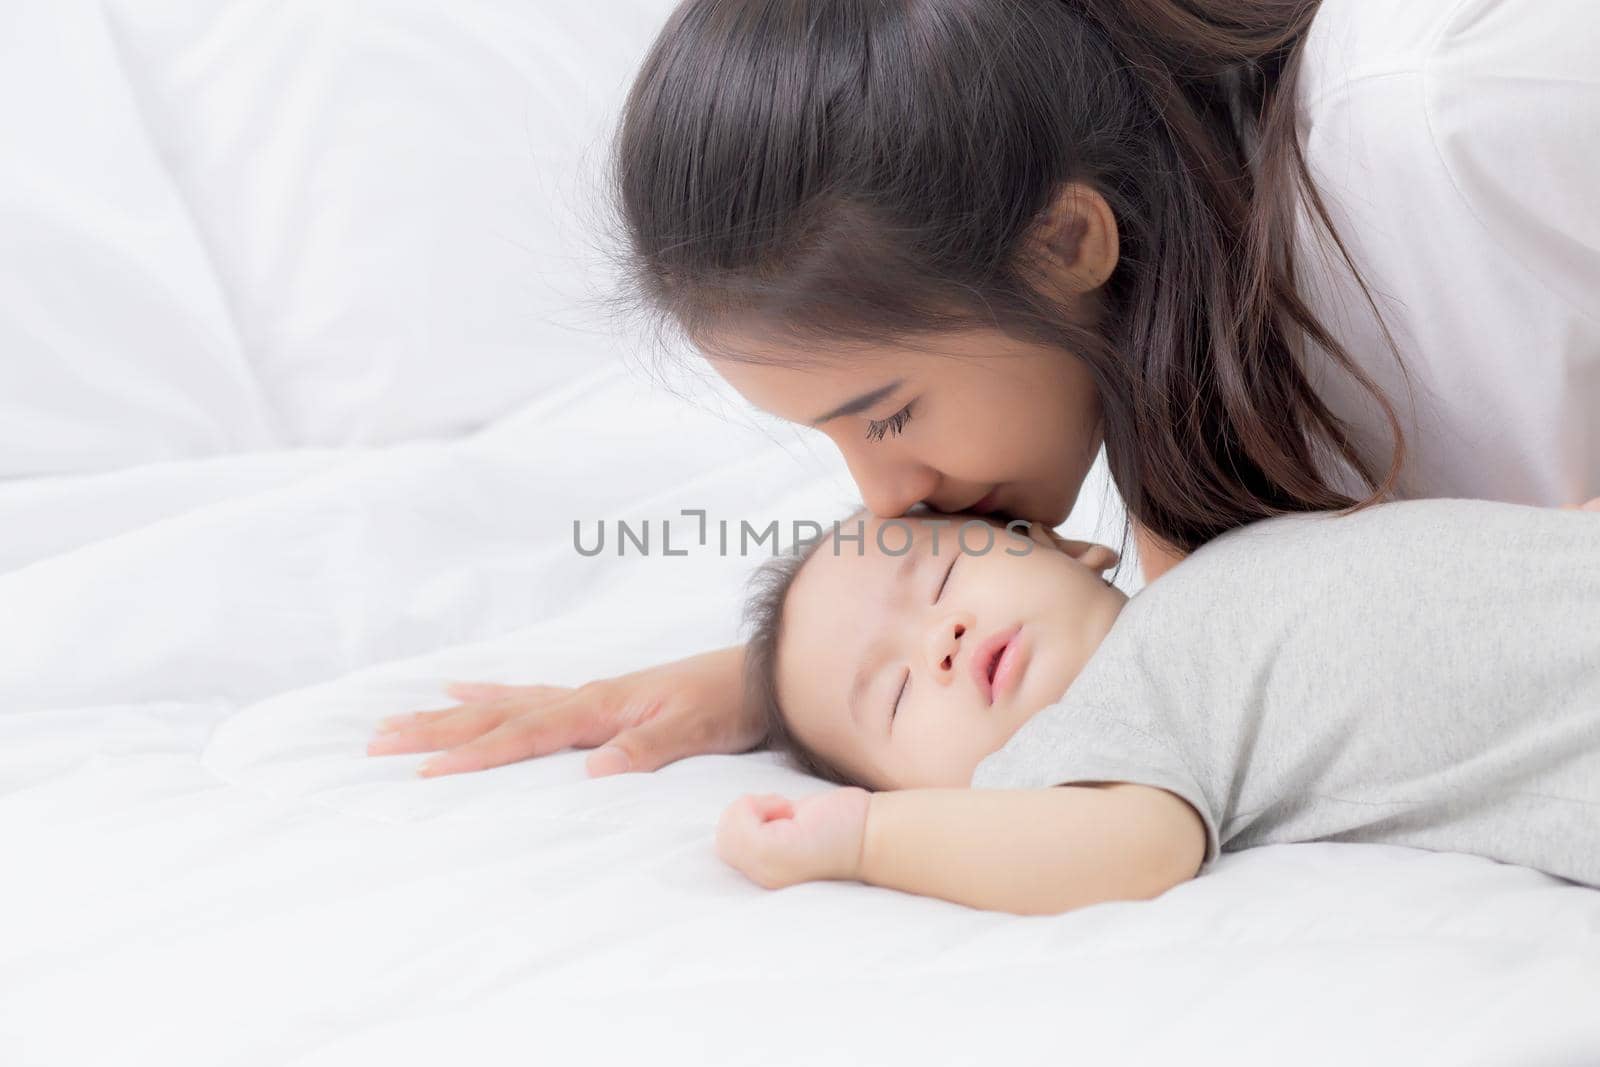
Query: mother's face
<point x="968" y="421"/>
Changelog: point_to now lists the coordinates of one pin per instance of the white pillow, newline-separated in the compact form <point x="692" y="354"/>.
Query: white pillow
<point x="397" y="196"/>
<point x="116" y="346"/>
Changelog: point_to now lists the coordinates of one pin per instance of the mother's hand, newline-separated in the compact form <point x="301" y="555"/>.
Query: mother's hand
<point x="644" y="720"/>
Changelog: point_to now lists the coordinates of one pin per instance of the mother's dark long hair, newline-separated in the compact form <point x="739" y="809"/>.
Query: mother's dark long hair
<point x="877" y="169"/>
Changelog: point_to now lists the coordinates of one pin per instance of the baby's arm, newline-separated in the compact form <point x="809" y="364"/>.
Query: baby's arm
<point x="1028" y="851"/>
<point x="1032" y="851"/>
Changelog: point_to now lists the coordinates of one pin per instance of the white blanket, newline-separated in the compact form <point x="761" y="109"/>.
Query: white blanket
<point x="203" y="866"/>
<point x="261" y="266"/>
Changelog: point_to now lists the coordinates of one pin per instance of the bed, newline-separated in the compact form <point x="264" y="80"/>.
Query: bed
<point x="321" y="447"/>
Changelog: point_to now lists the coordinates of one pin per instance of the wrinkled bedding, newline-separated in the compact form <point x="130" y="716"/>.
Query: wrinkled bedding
<point x="204" y="867"/>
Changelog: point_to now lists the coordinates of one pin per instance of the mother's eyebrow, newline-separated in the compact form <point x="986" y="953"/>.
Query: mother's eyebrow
<point x="860" y="403"/>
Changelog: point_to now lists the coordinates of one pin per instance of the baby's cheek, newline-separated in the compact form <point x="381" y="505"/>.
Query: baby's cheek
<point x="955" y="754"/>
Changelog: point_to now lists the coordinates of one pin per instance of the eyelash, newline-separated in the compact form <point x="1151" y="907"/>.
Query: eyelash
<point x="946" y="580"/>
<point x="893" y="425"/>
<point x="907" y="680"/>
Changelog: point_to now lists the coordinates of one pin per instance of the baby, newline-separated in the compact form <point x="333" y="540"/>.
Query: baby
<point x="1423" y="673"/>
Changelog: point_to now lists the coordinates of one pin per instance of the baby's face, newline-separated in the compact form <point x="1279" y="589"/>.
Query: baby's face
<point x="908" y="670"/>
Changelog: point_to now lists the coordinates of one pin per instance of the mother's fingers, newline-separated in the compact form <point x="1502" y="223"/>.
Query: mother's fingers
<point x="470" y="693"/>
<point x="475" y="692"/>
<point x="440" y="729"/>
<point x="412" y="719"/>
<point x="517" y="738"/>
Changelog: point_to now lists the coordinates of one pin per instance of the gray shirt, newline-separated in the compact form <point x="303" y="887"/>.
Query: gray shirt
<point x="1424" y="673"/>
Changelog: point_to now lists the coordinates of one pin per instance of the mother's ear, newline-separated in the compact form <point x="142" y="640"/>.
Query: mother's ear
<point x="1074" y="244"/>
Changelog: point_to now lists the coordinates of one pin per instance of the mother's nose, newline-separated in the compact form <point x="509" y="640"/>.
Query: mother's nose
<point x="942" y="643"/>
<point x="890" y="488"/>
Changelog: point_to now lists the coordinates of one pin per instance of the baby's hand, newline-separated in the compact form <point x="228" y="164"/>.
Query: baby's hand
<point x="778" y="843"/>
<point x="1593" y="505"/>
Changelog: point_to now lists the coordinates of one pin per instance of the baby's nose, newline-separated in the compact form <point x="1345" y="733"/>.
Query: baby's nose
<point x="944" y="645"/>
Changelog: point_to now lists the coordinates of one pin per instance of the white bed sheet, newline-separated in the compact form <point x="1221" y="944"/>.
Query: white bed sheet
<point x="203" y="866"/>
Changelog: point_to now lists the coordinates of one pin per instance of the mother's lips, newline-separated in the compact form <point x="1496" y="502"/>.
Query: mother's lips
<point x="986" y="656"/>
<point x="984" y="504"/>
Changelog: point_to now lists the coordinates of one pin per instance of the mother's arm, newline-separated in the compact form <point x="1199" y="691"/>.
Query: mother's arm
<point x="636" y="722"/>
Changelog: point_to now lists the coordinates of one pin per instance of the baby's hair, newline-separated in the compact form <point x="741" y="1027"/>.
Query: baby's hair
<point x="763" y="615"/>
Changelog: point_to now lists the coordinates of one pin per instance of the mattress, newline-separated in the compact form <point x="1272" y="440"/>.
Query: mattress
<point x="203" y="866"/>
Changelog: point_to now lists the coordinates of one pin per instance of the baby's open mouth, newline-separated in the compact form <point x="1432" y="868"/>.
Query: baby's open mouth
<point x="992" y="668"/>
<point x="995" y="662"/>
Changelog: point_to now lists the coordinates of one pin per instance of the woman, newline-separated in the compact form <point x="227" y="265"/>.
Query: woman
<point x="1275" y="256"/>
